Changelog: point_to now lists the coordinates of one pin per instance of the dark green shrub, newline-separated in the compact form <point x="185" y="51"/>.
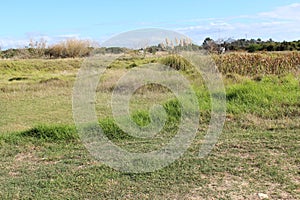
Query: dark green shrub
<point x="253" y="48"/>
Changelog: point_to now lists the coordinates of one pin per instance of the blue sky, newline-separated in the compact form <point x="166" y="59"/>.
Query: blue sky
<point x="99" y="20"/>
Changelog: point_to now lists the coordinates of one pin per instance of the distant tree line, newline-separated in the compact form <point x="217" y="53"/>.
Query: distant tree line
<point x="221" y="46"/>
<point x="251" y="45"/>
<point x="66" y="49"/>
<point x="82" y="48"/>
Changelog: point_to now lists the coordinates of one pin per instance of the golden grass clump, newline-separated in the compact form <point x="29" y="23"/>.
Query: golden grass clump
<point x="250" y="64"/>
<point x="70" y="49"/>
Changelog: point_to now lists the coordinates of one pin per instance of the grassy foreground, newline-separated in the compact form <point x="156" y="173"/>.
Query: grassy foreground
<point x="42" y="156"/>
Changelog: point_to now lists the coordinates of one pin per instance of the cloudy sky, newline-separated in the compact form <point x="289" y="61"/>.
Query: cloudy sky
<point x="99" y="20"/>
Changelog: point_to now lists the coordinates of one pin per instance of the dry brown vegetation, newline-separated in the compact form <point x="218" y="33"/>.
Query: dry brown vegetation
<point x="250" y="64"/>
<point x="70" y="48"/>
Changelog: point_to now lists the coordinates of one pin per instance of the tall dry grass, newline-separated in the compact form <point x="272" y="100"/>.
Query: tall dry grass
<point x="70" y="49"/>
<point x="250" y="64"/>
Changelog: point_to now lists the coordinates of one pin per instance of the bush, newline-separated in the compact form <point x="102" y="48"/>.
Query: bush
<point x="176" y="62"/>
<point x="16" y="53"/>
<point x="71" y="48"/>
<point x="253" y="48"/>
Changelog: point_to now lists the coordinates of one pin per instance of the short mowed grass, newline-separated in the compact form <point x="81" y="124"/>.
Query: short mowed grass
<point x="42" y="156"/>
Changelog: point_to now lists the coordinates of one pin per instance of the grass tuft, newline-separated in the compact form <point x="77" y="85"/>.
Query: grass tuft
<point x="176" y="62"/>
<point x="112" y="131"/>
<point x="52" y="132"/>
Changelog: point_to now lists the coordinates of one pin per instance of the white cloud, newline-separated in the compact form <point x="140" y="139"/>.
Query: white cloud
<point x="9" y="42"/>
<point x="289" y="12"/>
<point x="21" y="42"/>
<point x="189" y="28"/>
<point x="279" y="24"/>
<point x="13" y="43"/>
<point x="68" y="36"/>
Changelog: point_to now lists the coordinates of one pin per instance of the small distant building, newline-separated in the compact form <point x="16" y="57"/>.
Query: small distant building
<point x="221" y="50"/>
<point x="141" y="51"/>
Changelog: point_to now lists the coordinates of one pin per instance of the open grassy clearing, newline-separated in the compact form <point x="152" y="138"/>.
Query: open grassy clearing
<point x="42" y="157"/>
<point x="245" y="161"/>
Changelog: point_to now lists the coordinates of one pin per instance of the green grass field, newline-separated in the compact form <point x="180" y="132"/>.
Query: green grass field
<point x="42" y="156"/>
